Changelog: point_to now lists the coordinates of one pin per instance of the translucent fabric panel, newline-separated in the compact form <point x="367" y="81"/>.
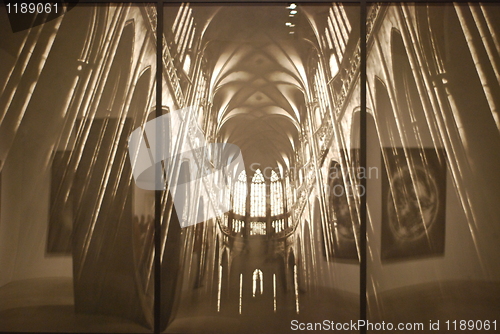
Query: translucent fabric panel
<point x="433" y="133"/>
<point x="75" y="232"/>
<point x="282" y="83"/>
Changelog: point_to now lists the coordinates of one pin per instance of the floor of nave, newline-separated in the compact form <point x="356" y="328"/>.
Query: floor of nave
<point x="441" y="301"/>
<point x="46" y="305"/>
<point x="258" y="316"/>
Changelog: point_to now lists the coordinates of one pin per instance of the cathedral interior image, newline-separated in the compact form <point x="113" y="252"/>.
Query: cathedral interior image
<point x="249" y="167"/>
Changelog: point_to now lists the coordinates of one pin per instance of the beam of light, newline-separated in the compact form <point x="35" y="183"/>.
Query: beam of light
<point x="219" y="286"/>
<point x="295" y="283"/>
<point x="274" y="291"/>
<point x="241" y="291"/>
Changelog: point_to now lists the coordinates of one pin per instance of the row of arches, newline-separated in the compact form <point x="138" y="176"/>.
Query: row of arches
<point x="282" y="279"/>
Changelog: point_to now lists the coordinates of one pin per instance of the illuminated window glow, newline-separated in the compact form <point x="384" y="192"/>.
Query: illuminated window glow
<point x="320" y="90"/>
<point x="187" y="64"/>
<point x="238" y="225"/>
<point x="258" y="195"/>
<point x="240" y="194"/>
<point x="184" y="30"/>
<point x="278" y="225"/>
<point x="337" y="35"/>
<point x="276" y="195"/>
<point x="289" y="193"/>
<point x="257" y="228"/>
<point x="258" y="282"/>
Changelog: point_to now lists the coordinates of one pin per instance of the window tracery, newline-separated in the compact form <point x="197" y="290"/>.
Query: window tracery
<point x="258" y="195"/>
<point x="276" y="195"/>
<point x="239" y="196"/>
<point x="257" y="228"/>
<point x="258" y="282"/>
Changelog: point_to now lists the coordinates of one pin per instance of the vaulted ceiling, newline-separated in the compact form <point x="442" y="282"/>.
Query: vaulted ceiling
<point x="258" y="79"/>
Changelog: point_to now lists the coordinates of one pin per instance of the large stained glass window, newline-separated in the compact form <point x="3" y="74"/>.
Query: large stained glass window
<point x="240" y="194"/>
<point x="184" y="30"/>
<point x="258" y="195"/>
<point x="289" y="193"/>
<point x="337" y="35"/>
<point x="276" y="195"/>
<point x="321" y="90"/>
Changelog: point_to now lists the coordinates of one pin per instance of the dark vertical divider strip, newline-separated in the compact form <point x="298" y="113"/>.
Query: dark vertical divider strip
<point x="362" y="140"/>
<point x="158" y="171"/>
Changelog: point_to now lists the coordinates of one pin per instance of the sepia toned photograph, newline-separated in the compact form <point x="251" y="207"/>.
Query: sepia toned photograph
<point x="249" y="167"/>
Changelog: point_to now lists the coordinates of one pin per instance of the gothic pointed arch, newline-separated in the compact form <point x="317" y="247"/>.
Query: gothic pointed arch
<point x="258" y="195"/>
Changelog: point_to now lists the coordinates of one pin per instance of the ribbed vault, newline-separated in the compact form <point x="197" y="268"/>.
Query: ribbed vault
<point x="258" y="80"/>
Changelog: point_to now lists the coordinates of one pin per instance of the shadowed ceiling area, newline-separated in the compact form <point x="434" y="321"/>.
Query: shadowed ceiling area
<point x="258" y="80"/>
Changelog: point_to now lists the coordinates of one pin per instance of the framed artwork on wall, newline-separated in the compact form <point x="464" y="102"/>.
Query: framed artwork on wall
<point x="413" y="203"/>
